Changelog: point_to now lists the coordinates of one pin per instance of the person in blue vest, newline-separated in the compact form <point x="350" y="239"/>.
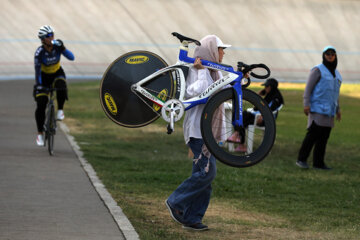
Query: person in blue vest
<point x="321" y="105"/>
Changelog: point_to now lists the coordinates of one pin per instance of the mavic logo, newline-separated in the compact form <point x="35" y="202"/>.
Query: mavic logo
<point x="110" y="103"/>
<point x="138" y="59"/>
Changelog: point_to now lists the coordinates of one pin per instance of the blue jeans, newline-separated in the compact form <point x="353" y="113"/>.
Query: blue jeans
<point x="192" y="197"/>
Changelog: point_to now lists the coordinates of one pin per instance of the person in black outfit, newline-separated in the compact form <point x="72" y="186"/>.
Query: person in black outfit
<point x="49" y="73"/>
<point x="273" y="97"/>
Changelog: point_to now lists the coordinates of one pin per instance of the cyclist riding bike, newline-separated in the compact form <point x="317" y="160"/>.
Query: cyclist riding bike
<point x="49" y="74"/>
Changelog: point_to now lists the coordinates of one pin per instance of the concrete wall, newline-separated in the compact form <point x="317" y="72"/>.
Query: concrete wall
<point x="287" y="35"/>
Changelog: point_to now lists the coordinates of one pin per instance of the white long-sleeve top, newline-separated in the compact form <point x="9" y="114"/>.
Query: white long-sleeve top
<point x="197" y="82"/>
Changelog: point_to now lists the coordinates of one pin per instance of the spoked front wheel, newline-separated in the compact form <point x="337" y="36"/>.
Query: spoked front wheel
<point x="241" y="147"/>
<point x="51" y="144"/>
<point x="50" y="130"/>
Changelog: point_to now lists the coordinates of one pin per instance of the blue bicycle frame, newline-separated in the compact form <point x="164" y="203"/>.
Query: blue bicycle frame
<point x="234" y="78"/>
<point x="237" y="119"/>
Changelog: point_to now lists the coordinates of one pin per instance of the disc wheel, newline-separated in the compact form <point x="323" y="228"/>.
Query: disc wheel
<point x="120" y="103"/>
<point x="217" y="127"/>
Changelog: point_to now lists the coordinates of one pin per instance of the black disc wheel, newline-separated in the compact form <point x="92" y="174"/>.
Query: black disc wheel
<point x="120" y="103"/>
<point x="243" y="146"/>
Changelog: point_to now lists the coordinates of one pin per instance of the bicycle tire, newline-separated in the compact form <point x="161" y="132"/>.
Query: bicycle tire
<point x="120" y="103"/>
<point x="263" y="140"/>
<point x="51" y="125"/>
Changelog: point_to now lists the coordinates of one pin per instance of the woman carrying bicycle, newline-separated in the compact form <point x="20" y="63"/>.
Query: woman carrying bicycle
<point x="189" y="202"/>
<point x="49" y="74"/>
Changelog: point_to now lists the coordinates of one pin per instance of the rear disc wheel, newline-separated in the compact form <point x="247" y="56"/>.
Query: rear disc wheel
<point x="120" y="103"/>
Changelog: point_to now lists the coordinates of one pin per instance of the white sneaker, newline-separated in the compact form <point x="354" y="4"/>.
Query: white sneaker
<point x="60" y="115"/>
<point x="40" y="140"/>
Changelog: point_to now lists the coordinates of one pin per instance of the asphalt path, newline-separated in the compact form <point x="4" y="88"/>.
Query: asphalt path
<point x="42" y="196"/>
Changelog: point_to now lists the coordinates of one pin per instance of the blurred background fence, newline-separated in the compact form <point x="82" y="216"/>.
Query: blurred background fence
<point x="287" y="35"/>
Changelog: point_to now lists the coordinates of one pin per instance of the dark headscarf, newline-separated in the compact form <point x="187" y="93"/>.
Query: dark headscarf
<point x="274" y="96"/>
<point x="330" y="65"/>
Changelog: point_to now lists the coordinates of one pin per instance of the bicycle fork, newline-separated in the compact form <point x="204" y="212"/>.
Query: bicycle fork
<point x="237" y="117"/>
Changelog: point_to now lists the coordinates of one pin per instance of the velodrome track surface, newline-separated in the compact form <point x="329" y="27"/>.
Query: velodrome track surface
<point x="43" y="197"/>
<point x="287" y="35"/>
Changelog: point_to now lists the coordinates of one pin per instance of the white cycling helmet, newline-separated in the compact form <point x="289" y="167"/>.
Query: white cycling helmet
<point x="44" y="31"/>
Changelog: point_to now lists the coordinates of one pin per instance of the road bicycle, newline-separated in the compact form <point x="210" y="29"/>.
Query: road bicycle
<point x="50" y="122"/>
<point x="139" y="87"/>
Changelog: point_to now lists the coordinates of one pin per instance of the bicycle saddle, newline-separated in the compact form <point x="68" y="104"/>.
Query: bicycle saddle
<point x="183" y="38"/>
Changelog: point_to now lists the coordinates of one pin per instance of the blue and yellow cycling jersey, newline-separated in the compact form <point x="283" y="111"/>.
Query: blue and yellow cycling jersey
<point x="49" y="62"/>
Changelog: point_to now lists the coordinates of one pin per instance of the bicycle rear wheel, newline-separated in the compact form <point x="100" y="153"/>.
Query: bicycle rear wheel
<point x="220" y="108"/>
<point x="122" y="105"/>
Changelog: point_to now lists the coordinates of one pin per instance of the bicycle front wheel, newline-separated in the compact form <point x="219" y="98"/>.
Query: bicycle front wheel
<point x="51" y="126"/>
<point x="122" y="105"/>
<point x="51" y="144"/>
<point x="217" y="129"/>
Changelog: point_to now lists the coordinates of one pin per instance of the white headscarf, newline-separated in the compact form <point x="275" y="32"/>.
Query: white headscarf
<point x="210" y="43"/>
<point x="209" y="51"/>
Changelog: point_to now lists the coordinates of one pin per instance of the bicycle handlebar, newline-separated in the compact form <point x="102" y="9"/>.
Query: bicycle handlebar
<point x="244" y="68"/>
<point x="53" y="89"/>
<point x="47" y="89"/>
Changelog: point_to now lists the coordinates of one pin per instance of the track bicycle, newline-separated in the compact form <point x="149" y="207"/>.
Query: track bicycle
<point x="50" y="122"/>
<point x="139" y="87"/>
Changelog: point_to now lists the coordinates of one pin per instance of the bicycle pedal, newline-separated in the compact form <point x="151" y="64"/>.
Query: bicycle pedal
<point x="169" y="129"/>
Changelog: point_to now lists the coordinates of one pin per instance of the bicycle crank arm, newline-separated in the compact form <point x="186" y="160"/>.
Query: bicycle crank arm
<point x="170" y="126"/>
